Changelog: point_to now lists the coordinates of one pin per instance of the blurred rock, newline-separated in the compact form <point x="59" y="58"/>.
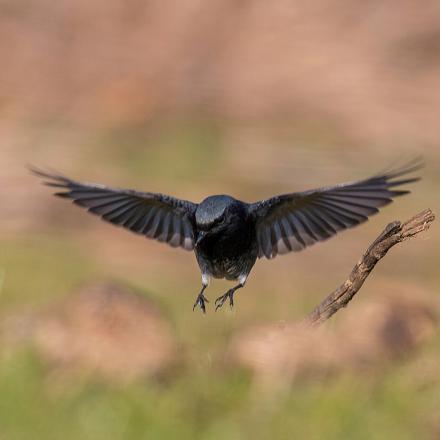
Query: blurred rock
<point x="366" y="335"/>
<point x="104" y="328"/>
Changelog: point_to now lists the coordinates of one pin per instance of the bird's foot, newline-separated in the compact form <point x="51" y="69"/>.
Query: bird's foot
<point x="200" y="301"/>
<point x="222" y="299"/>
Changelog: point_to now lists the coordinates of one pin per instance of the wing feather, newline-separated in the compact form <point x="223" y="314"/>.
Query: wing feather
<point x="154" y="215"/>
<point x="291" y="222"/>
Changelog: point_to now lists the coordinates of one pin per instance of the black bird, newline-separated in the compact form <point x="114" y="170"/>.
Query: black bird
<point x="228" y="235"/>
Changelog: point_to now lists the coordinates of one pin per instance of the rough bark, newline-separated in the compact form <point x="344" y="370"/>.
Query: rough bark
<point x="396" y="232"/>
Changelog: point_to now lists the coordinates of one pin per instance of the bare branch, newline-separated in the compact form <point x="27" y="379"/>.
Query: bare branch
<point x="394" y="233"/>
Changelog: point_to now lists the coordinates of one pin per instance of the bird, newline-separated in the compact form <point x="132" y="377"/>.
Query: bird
<point x="228" y="235"/>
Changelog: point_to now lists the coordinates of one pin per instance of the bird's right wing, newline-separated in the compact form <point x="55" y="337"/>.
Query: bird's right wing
<point x="154" y="215"/>
<point x="291" y="222"/>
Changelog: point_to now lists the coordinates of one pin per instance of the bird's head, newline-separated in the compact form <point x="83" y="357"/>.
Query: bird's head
<point x="218" y="212"/>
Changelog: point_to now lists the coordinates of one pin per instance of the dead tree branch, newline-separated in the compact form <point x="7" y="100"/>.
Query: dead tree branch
<point x="394" y="233"/>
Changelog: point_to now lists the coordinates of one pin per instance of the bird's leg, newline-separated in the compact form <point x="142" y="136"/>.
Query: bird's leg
<point x="229" y="294"/>
<point x="201" y="299"/>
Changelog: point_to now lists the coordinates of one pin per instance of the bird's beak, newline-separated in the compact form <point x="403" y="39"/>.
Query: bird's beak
<point x="201" y="235"/>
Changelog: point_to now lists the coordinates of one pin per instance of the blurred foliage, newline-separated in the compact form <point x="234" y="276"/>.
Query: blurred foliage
<point x="207" y="405"/>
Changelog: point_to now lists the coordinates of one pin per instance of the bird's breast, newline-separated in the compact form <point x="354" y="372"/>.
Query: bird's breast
<point x="228" y="254"/>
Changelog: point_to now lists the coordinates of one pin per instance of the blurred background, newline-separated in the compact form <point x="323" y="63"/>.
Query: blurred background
<point x="251" y="98"/>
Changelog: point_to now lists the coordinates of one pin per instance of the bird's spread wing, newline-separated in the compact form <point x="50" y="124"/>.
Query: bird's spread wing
<point x="291" y="222"/>
<point x="158" y="216"/>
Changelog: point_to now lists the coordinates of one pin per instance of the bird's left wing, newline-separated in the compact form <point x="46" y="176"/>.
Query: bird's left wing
<point x="154" y="215"/>
<point x="291" y="222"/>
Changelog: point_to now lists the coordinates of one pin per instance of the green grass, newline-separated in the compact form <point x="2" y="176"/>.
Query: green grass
<point x="203" y="405"/>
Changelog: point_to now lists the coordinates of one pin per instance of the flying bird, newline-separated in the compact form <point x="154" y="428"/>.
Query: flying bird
<point x="228" y="235"/>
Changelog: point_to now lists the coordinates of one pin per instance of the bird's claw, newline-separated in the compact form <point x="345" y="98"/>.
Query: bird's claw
<point x="222" y="299"/>
<point x="200" y="301"/>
